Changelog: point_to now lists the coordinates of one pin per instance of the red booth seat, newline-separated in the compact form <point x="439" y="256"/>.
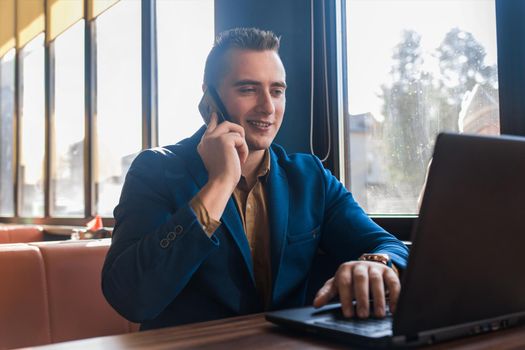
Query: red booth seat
<point x="20" y="233"/>
<point x="50" y="292"/>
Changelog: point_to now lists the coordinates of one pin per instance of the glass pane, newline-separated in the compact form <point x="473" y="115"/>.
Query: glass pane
<point x="67" y="169"/>
<point x="7" y="112"/>
<point x="118" y="124"/>
<point x="181" y="60"/>
<point x="32" y="129"/>
<point x="411" y="76"/>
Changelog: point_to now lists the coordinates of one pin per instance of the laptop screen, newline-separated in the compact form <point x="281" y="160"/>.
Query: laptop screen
<point x="469" y="238"/>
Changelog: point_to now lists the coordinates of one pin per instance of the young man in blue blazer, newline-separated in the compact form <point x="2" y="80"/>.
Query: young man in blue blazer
<point x="227" y="223"/>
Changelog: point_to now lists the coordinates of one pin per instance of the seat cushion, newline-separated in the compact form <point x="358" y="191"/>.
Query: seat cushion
<point x="24" y="319"/>
<point x="21" y="233"/>
<point x="77" y="306"/>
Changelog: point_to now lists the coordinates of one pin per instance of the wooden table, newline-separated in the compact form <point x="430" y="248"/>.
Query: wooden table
<point x="253" y="332"/>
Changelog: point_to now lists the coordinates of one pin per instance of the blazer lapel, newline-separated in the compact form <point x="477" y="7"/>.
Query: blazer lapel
<point x="230" y="218"/>
<point x="196" y="167"/>
<point x="278" y="200"/>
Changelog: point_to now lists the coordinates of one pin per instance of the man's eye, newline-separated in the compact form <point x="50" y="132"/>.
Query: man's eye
<point x="278" y="92"/>
<point x="247" y="90"/>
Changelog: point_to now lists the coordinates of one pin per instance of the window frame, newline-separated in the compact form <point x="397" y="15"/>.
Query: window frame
<point x="149" y="114"/>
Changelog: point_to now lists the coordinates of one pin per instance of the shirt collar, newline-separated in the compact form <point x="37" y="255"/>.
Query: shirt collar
<point x="262" y="171"/>
<point x="264" y="167"/>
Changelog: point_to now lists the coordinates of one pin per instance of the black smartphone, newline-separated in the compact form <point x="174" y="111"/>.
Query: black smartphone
<point x="211" y="102"/>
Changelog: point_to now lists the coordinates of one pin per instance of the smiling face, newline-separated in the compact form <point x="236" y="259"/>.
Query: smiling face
<point x="252" y="89"/>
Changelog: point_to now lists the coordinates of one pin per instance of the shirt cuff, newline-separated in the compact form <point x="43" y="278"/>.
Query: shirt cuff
<point x="208" y="224"/>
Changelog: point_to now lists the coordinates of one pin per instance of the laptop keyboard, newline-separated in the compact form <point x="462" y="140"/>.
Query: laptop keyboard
<point x="368" y="327"/>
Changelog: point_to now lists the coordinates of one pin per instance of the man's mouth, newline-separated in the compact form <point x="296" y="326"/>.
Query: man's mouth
<point x="259" y="124"/>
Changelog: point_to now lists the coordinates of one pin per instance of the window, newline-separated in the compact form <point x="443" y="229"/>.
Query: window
<point x="185" y="32"/>
<point x="7" y="112"/>
<point x="114" y="105"/>
<point x="32" y="129"/>
<point x="411" y="76"/>
<point x="118" y="121"/>
<point x="67" y="166"/>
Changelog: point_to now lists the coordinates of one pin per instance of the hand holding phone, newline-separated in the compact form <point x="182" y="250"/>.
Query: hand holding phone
<point x="223" y="147"/>
<point x="223" y="151"/>
<point x="211" y="102"/>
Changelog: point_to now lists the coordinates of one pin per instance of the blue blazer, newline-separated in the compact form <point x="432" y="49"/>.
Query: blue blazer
<point x="163" y="270"/>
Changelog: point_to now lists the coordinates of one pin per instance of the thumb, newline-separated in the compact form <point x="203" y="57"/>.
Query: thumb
<point x="325" y="294"/>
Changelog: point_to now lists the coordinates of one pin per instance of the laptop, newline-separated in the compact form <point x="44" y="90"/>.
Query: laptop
<point x="465" y="273"/>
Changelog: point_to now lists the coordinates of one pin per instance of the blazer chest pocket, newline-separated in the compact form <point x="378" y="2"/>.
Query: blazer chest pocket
<point x="304" y="237"/>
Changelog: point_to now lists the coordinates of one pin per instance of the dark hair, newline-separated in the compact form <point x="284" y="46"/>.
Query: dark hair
<point x="236" y="38"/>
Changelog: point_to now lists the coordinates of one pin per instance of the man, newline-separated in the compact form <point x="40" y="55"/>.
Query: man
<point x="226" y="223"/>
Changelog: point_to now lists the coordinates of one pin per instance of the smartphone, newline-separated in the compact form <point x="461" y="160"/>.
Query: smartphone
<point x="210" y="102"/>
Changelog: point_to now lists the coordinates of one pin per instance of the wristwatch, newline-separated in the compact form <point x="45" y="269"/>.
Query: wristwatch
<point x="377" y="257"/>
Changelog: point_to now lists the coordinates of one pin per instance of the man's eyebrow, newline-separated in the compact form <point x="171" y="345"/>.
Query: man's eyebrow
<point x="280" y="84"/>
<point x="247" y="82"/>
<point x="257" y="83"/>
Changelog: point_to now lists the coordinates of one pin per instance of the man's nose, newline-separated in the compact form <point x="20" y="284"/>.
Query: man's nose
<point x="265" y="103"/>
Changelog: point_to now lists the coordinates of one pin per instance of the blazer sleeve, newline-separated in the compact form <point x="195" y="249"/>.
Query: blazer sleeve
<point x="348" y="232"/>
<point x="156" y="245"/>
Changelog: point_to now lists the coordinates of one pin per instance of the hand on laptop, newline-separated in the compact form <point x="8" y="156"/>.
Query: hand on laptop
<point x="359" y="280"/>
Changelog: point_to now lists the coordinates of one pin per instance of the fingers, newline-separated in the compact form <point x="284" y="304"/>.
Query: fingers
<point x="360" y="275"/>
<point x="325" y="294"/>
<point x="215" y="128"/>
<point x="378" y="291"/>
<point x="213" y="122"/>
<point x="394" y="287"/>
<point x="242" y="149"/>
<point x="361" y="280"/>
<point x="344" y="288"/>
<point x="223" y="150"/>
<point x="231" y="133"/>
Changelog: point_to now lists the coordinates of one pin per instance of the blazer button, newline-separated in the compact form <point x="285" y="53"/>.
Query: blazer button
<point x="178" y="229"/>
<point x="164" y="243"/>
<point x="171" y="236"/>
